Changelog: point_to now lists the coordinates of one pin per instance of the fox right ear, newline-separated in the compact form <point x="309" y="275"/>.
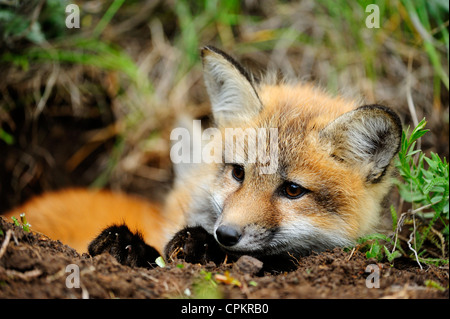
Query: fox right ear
<point x="230" y="88"/>
<point x="366" y="138"/>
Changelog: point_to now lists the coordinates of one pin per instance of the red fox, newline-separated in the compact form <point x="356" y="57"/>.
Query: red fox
<point x="331" y="174"/>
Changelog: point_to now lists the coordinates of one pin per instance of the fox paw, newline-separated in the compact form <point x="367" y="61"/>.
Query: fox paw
<point x="194" y="245"/>
<point x="128" y="248"/>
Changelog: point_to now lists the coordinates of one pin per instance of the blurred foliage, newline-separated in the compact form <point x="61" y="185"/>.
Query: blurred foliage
<point x="34" y="20"/>
<point x="418" y="23"/>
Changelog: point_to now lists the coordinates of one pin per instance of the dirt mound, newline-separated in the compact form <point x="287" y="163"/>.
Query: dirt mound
<point x="33" y="266"/>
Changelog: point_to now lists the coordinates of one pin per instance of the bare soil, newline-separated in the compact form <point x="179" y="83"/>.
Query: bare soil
<point x="34" y="266"/>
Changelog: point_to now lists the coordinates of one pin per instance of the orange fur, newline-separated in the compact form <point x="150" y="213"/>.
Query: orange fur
<point x="76" y="216"/>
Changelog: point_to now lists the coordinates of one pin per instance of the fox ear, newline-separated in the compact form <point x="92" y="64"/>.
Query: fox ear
<point x="367" y="137"/>
<point x="230" y="88"/>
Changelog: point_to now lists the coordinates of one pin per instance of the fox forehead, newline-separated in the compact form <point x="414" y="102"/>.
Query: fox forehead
<point x="300" y="103"/>
<point x="298" y="112"/>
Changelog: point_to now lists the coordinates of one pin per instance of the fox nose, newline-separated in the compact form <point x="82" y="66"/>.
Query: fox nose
<point x="227" y="235"/>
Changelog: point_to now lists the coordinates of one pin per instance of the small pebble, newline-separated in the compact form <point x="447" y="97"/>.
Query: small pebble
<point x="248" y="265"/>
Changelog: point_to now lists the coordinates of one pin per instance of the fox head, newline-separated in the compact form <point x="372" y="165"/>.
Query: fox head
<point x="333" y="165"/>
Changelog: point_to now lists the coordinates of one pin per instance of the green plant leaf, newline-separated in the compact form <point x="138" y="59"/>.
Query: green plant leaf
<point x="391" y="256"/>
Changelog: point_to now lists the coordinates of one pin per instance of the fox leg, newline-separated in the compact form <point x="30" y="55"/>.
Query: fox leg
<point x="194" y="245"/>
<point x="127" y="247"/>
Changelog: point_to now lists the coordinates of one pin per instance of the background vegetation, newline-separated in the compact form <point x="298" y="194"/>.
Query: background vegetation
<point x="93" y="106"/>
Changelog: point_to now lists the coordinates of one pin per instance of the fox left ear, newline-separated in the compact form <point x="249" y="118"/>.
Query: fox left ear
<point x="367" y="137"/>
<point x="230" y="88"/>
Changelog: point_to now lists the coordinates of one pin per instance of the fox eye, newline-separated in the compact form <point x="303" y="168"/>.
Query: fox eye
<point x="238" y="173"/>
<point x="293" y="191"/>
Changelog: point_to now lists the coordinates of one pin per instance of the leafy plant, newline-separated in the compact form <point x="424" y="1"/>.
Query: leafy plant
<point x="424" y="183"/>
<point x="375" y="247"/>
<point x="23" y="222"/>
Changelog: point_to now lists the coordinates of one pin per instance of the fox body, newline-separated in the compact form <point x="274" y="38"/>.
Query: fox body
<point x="333" y="171"/>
